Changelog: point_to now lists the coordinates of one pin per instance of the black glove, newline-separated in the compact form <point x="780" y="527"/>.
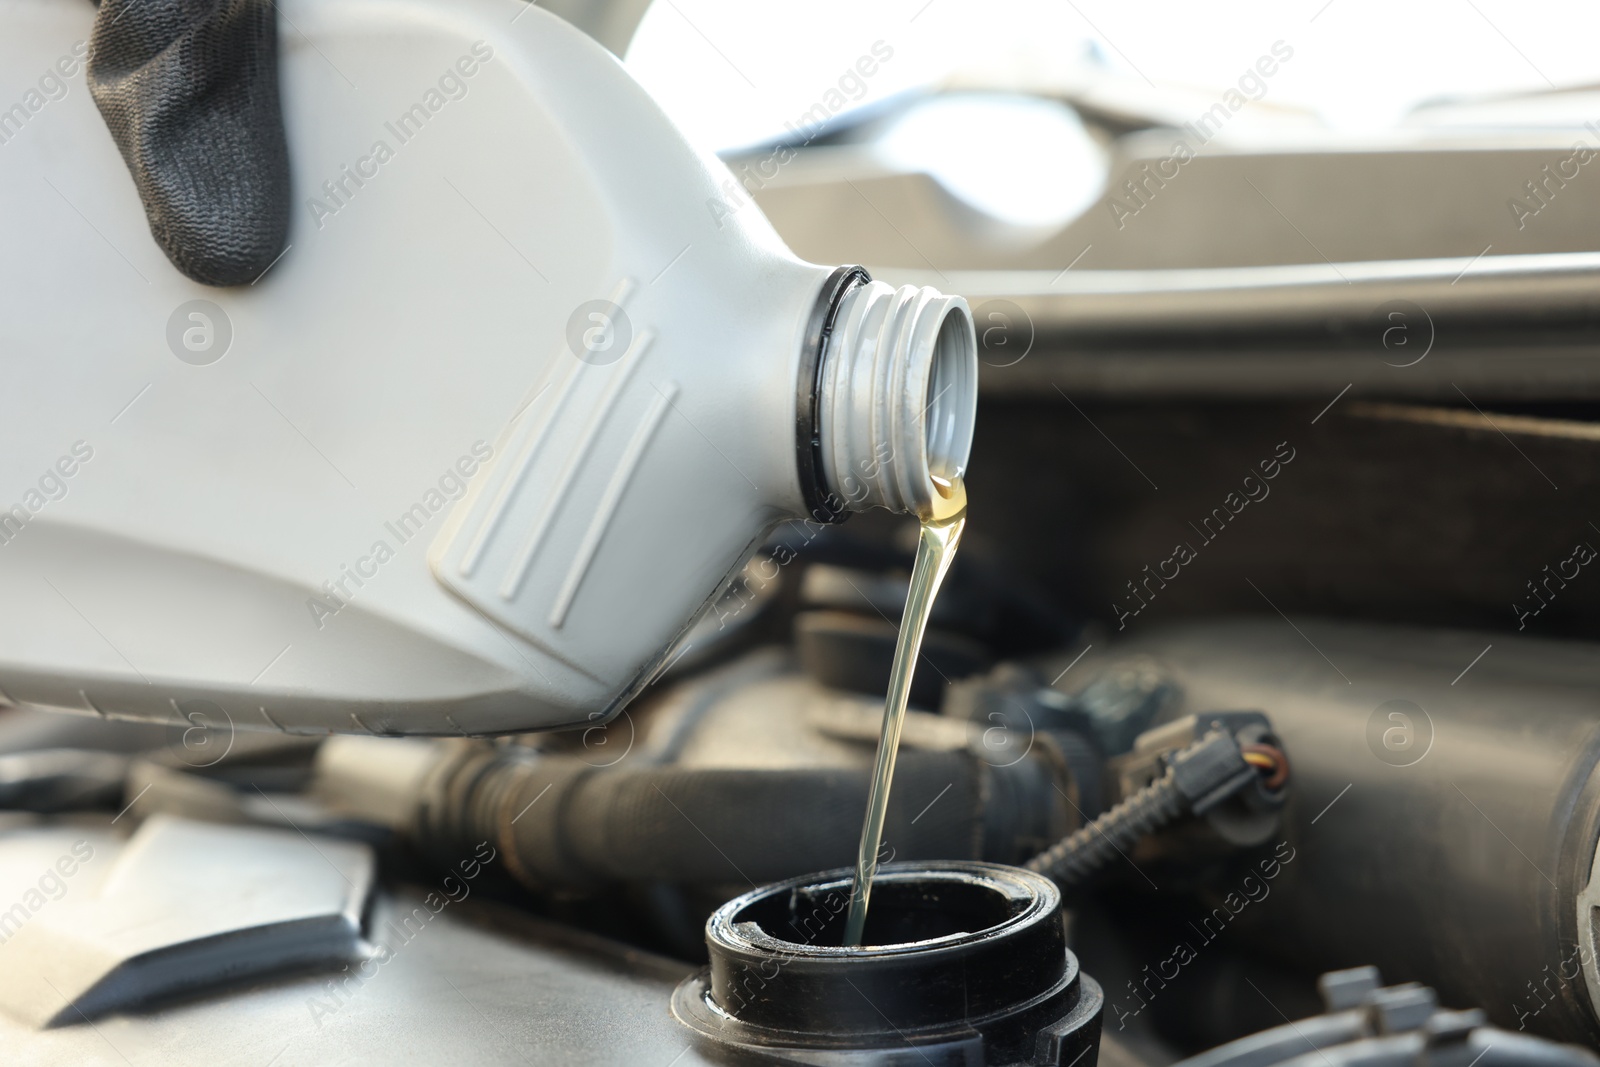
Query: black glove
<point x="189" y="89"/>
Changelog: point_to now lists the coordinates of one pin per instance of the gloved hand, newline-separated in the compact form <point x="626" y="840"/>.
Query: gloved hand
<point x="189" y="89"/>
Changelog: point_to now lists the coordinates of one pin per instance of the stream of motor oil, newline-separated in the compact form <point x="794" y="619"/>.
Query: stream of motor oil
<point x="936" y="548"/>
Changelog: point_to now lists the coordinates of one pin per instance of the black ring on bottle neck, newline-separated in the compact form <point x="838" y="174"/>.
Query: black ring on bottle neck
<point x="822" y="505"/>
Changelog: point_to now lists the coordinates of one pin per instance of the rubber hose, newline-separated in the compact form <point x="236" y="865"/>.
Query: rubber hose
<point x="562" y="824"/>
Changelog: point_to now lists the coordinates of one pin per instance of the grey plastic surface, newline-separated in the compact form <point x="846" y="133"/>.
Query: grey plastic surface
<point x="181" y="906"/>
<point x="479" y="987"/>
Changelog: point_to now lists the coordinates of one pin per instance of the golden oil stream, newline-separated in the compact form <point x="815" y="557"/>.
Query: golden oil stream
<point x="936" y="548"/>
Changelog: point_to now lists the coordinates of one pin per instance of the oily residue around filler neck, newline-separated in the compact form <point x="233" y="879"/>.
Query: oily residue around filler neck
<point x="936" y="548"/>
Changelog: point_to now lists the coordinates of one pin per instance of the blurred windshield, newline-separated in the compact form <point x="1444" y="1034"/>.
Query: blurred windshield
<point x="734" y="73"/>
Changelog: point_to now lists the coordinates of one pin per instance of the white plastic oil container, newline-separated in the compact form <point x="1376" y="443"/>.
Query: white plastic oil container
<point x="472" y="455"/>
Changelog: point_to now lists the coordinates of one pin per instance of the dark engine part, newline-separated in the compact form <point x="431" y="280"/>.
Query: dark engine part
<point x="1445" y="806"/>
<point x="1231" y="770"/>
<point x="1380" y="515"/>
<point x="1397" y="1026"/>
<point x="964" y="964"/>
<point x="852" y="597"/>
<point x="61" y="779"/>
<point x="563" y="824"/>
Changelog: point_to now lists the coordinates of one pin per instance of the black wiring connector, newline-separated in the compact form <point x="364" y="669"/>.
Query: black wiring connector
<point x="1197" y="778"/>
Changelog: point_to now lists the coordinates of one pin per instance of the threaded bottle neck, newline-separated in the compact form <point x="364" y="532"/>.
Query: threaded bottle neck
<point x="897" y="396"/>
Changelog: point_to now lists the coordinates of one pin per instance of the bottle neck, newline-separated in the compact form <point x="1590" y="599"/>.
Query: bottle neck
<point x="896" y="397"/>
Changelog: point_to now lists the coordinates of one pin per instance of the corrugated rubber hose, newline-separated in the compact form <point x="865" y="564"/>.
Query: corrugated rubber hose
<point x="1082" y="853"/>
<point x="565" y="825"/>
